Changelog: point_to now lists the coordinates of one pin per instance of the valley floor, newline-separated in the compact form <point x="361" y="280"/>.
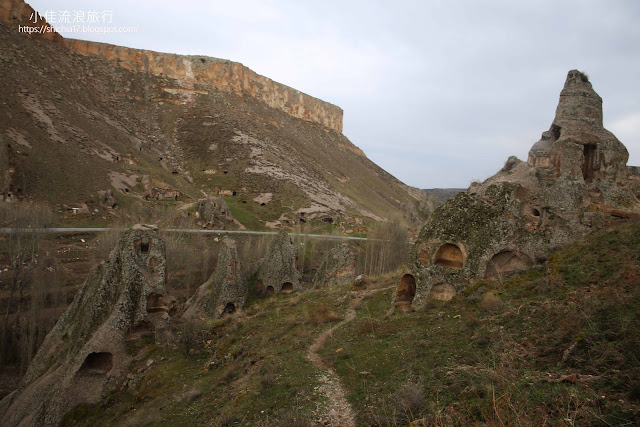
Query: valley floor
<point x="556" y="345"/>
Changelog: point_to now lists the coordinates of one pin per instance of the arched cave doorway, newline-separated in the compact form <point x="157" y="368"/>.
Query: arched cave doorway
<point x="287" y="287"/>
<point x="155" y="303"/>
<point x="258" y="288"/>
<point x="588" y="166"/>
<point x="406" y="290"/>
<point x="270" y="291"/>
<point x="143" y="246"/>
<point x="449" y="255"/>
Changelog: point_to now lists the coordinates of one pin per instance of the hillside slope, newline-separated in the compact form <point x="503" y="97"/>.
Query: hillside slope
<point x="556" y="345"/>
<point x="75" y="125"/>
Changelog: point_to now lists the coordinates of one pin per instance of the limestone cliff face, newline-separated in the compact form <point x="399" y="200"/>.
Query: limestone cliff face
<point x="226" y="75"/>
<point x="17" y="12"/>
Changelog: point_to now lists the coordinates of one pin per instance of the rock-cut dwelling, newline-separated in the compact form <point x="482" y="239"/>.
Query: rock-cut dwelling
<point x="278" y="272"/>
<point x="573" y="183"/>
<point x="226" y="290"/>
<point x="85" y="354"/>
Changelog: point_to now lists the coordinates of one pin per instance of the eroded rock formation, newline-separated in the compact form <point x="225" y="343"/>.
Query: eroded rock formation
<point x="86" y="354"/>
<point x="574" y="182"/>
<point x="225" y="291"/>
<point x="213" y="213"/>
<point x="225" y="75"/>
<point x="338" y="268"/>
<point x="278" y="271"/>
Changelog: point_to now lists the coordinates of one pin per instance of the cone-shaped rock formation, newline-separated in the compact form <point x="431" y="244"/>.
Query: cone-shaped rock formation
<point x="279" y="271"/>
<point x="574" y="182"/>
<point x="85" y="354"/>
<point x="225" y="292"/>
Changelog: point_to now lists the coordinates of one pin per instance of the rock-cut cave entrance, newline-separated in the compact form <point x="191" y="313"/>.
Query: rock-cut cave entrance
<point x="230" y="308"/>
<point x="505" y="263"/>
<point x="287" y="287"/>
<point x="449" y="255"/>
<point x="406" y="290"/>
<point x="270" y="291"/>
<point x="97" y="363"/>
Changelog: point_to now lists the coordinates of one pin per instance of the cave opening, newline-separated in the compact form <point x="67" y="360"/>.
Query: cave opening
<point x="450" y="255"/>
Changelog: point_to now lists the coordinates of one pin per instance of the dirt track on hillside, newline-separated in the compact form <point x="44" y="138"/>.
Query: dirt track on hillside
<point x="338" y="412"/>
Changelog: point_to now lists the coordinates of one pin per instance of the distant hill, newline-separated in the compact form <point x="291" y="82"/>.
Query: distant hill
<point x="443" y="193"/>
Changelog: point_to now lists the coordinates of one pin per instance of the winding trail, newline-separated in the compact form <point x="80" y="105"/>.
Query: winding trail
<point x="339" y="412"/>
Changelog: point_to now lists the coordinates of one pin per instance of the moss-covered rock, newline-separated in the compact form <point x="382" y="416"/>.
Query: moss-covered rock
<point x="85" y="355"/>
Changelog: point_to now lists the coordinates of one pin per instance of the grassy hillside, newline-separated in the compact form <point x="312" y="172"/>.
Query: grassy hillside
<point x="77" y="126"/>
<point x="556" y="345"/>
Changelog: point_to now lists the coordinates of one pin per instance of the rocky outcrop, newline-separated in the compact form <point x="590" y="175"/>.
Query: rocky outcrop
<point x="574" y="182"/>
<point x="225" y="291"/>
<point x="213" y="213"/>
<point x="19" y="13"/>
<point x="86" y="354"/>
<point x="225" y="75"/>
<point x="106" y="199"/>
<point x="338" y="268"/>
<point x="278" y="271"/>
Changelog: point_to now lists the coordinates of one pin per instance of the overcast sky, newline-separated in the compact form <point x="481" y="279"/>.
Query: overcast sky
<point x="438" y="93"/>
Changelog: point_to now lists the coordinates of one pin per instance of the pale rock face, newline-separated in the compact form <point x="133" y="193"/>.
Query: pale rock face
<point x="85" y="354"/>
<point x="225" y="75"/>
<point x="225" y="292"/>
<point x="574" y="182"/>
<point x="279" y="271"/>
<point x="338" y="268"/>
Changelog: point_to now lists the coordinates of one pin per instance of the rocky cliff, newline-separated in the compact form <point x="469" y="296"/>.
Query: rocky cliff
<point x="225" y="75"/>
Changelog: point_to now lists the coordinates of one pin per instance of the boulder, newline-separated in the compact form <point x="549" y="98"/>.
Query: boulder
<point x="85" y="355"/>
